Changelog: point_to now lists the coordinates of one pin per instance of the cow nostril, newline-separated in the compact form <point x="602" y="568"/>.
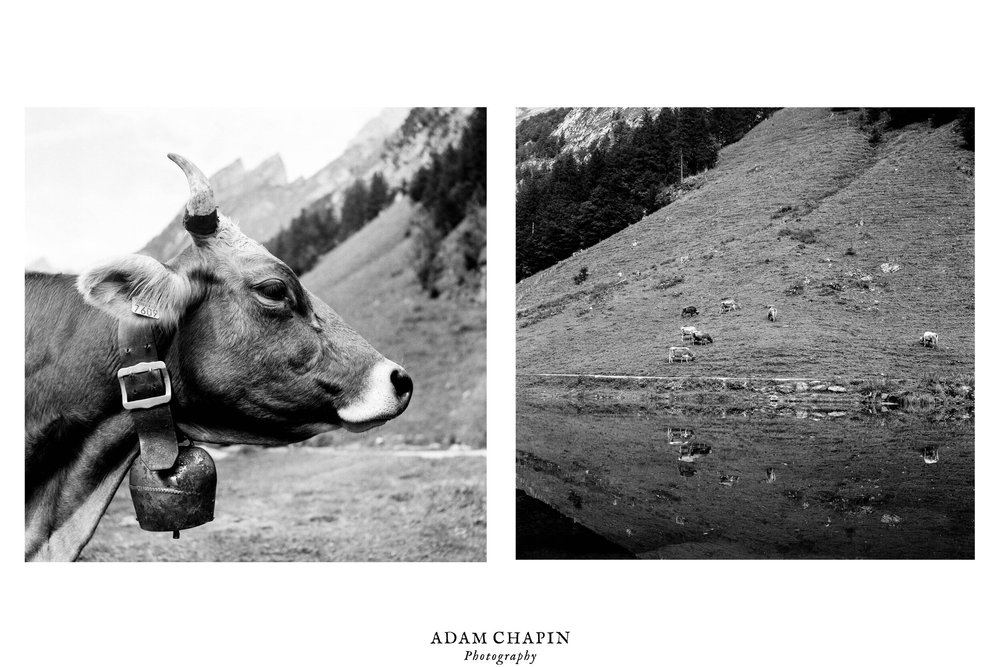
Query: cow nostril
<point x="401" y="382"/>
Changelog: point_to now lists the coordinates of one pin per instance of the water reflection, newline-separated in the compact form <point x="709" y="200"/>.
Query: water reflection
<point x="678" y="436"/>
<point x="761" y="483"/>
<point x="728" y="480"/>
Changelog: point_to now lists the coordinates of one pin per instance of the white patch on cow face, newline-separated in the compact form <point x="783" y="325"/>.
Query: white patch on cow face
<point x="380" y="399"/>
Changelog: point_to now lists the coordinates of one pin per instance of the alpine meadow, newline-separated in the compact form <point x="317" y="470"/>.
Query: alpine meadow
<point x="746" y="333"/>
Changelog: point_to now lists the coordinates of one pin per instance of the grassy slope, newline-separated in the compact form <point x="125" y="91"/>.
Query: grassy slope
<point x="319" y="504"/>
<point x="915" y="195"/>
<point x="370" y="281"/>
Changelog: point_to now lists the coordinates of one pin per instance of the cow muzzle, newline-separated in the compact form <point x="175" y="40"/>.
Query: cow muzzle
<point x="385" y="394"/>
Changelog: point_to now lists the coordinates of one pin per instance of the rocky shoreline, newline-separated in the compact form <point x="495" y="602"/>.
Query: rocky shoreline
<point x="878" y="393"/>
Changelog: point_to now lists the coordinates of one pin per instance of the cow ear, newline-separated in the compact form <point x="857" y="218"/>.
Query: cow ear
<point x="138" y="287"/>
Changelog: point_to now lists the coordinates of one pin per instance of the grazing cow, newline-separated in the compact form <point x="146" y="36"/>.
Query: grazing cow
<point x="689" y="311"/>
<point x="252" y="357"/>
<point x="679" y="354"/>
<point x="687" y="333"/>
<point x="728" y="305"/>
<point x="691" y="453"/>
<point x="772" y="314"/>
<point x="728" y="480"/>
<point x="702" y="338"/>
<point x="929" y="339"/>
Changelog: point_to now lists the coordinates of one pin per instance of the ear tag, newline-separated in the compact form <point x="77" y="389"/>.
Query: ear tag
<point x="145" y="310"/>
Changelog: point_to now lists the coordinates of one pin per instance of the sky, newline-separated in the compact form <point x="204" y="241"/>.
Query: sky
<point x="99" y="184"/>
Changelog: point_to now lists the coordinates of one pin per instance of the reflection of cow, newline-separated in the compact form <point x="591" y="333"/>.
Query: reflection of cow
<point x="689" y="311"/>
<point x="682" y="435"/>
<point x="729" y="304"/>
<point x="702" y="338"/>
<point x="930" y="454"/>
<point x="691" y="453"/>
<point x="929" y="339"/>
<point x="687" y="333"/>
<point x="686" y="469"/>
<point x="772" y="314"/>
<point x="679" y="354"/>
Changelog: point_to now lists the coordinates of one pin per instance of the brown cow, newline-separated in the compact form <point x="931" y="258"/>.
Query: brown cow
<point x="679" y="354"/>
<point x="702" y="338"/>
<point x="253" y="358"/>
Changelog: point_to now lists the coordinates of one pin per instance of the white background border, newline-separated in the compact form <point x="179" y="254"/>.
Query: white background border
<point x="504" y="55"/>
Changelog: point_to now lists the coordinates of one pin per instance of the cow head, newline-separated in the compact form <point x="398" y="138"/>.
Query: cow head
<point x="254" y="357"/>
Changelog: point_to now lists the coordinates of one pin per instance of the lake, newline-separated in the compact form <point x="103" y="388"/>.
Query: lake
<point x="719" y="482"/>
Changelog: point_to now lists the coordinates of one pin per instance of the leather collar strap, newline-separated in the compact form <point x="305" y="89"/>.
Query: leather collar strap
<point x="146" y="395"/>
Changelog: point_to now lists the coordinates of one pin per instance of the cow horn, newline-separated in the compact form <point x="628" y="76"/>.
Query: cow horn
<point x="201" y="215"/>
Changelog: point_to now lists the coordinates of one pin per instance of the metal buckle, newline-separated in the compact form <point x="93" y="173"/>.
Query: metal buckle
<point x="144" y="367"/>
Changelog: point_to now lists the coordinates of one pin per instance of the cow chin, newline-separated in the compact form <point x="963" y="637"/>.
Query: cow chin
<point x="223" y="436"/>
<point x="363" y="426"/>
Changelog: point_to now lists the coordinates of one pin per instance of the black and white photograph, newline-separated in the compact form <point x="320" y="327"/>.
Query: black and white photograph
<point x="745" y="333"/>
<point x="715" y="403"/>
<point x="255" y="334"/>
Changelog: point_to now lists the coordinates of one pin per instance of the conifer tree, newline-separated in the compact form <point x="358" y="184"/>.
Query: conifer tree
<point x="354" y="212"/>
<point x="378" y="196"/>
<point x="578" y="202"/>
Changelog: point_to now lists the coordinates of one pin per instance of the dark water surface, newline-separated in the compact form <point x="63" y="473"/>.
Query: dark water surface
<point x="545" y="534"/>
<point x="716" y="483"/>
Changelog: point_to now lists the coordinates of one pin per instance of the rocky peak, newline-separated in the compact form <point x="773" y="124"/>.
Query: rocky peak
<point x="395" y="143"/>
<point x="269" y="173"/>
<point x="228" y="177"/>
<point x="583" y="126"/>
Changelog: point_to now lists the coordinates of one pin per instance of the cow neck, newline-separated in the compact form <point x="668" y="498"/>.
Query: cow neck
<point x="150" y="388"/>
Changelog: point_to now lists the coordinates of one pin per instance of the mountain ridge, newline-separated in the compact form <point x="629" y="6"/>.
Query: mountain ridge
<point x="580" y="129"/>
<point x="263" y="201"/>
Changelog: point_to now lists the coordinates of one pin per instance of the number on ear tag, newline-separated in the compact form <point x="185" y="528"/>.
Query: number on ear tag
<point x="144" y="310"/>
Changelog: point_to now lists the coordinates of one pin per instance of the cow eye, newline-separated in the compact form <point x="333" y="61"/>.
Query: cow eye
<point x="274" y="290"/>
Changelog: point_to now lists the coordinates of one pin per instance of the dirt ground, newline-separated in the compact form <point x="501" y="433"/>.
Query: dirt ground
<point x="321" y="504"/>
